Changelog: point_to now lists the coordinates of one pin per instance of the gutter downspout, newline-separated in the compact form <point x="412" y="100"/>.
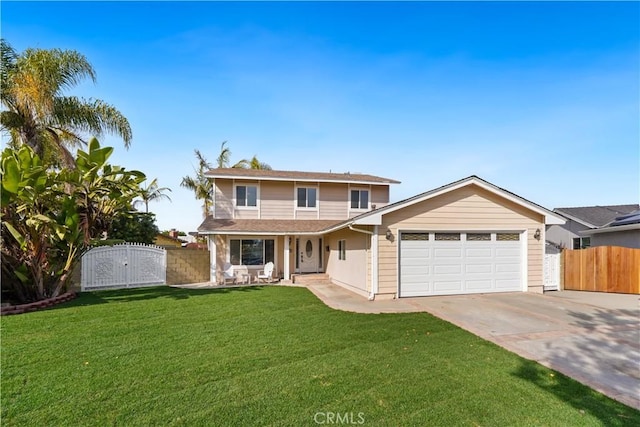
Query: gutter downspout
<point x="374" y="258"/>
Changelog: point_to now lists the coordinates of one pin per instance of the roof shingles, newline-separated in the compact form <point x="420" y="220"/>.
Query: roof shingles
<point x="598" y="216"/>
<point x="261" y="174"/>
<point x="268" y="226"/>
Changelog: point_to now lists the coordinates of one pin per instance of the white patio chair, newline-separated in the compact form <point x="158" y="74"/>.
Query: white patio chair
<point x="228" y="274"/>
<point x="266" y="274"/>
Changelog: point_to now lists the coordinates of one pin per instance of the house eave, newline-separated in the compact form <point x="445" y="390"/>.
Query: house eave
<point x="614" y="229"/>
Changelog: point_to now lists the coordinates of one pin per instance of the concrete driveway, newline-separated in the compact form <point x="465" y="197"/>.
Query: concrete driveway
<point x="591" y="337"/>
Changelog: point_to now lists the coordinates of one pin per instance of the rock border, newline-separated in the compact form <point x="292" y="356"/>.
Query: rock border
<point x="38" y="305"/>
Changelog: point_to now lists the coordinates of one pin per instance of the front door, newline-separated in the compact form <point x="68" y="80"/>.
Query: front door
<point x="308" y="254"/>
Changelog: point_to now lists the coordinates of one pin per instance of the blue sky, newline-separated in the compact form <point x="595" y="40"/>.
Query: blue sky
<point x="541" y="98"/>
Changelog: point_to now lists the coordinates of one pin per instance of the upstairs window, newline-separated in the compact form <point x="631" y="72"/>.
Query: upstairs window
<point x="307" y="197"/>
<point x="247" y="195"/>
<point x="359" y="199"/>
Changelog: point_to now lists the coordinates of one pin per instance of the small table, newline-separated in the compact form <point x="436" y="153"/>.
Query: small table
<point x="244" y="278"/>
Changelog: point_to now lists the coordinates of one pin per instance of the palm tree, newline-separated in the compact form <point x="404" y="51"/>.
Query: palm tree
<point x="225" y="156"/>
<point x="38" y="114"/>
<point x="150" y="193"/>
<point x="254" y="163"/>
<point x="200" y="184"/>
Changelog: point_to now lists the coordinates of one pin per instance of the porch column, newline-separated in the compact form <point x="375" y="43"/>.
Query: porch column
<point x="211" y="242"/>
<point x="287" y="255"/>
<point x="374" y="263"/>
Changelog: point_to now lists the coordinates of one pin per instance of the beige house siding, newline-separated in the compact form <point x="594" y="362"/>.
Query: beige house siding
<point x="379" y="195"/>
<point x="306" y="214"/>
<point x="351" y="273"/>
<point x="276" y="200"/>
<point x="466" y="209"/>
<point x="223" y="201"/>
<point x="333" y="201"/>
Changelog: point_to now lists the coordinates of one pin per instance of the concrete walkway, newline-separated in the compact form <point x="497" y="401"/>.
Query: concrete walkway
<point x="588" y="336"/>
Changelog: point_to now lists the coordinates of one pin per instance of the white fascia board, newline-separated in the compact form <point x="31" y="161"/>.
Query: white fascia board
<point x="335" y="181"/>
<point x="613" y="229"/>
<point x="374" y="219"/>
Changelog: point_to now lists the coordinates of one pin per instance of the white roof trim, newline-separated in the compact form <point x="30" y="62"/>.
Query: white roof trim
<point x="375" y="217"/>
<point x="262" y="178"/>
<point x="615" y="228"/>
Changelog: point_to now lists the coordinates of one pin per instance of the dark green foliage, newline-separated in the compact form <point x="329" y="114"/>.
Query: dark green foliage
<point x="49" y="216"/>
<point x="134" y="227"/>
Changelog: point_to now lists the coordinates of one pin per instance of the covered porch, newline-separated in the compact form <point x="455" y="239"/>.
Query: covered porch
<point x="246" y="246"/>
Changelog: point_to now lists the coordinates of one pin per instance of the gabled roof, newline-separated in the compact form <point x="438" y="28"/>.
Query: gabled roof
<point x="273" y="175"/>
<point x="375" y="217"/>
<point x="596" y="216"/>
<point x="265" y="226"/>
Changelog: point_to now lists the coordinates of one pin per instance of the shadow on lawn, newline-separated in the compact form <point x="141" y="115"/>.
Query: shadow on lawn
<point x="607" y="347"/>
<point x="141" y="294"/>
<point x="582" y="398"/>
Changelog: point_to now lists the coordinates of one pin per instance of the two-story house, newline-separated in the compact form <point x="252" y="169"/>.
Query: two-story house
<point x="469" y="236"/>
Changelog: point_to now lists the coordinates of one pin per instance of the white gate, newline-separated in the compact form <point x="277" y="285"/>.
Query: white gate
<point x="129" y="265"/>
<point x="551" y="272"/>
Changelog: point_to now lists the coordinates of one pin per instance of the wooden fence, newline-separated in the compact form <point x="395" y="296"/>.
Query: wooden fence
<point x="602" y="269"/>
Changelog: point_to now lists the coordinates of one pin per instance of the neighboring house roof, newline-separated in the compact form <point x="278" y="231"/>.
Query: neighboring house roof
<point x="273" y="175"/>
<point x="265" y="226"/>
<point x="164" y="240"/>
<point x="375" y="217"/>
<point x="632" y="218"/>
<point x="627" y="222"/>
<point x="596" y="216"/>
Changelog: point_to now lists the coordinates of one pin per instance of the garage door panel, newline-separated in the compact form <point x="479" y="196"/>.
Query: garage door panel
<point x="507" y="284"/>
<point x="478" y="253"/>
<point x="416" y="270"/>
<point x="446" y="267"/>
<point x="478" y="268"/>
<point x="507" y="268"/>
<point x="479" y="285"/>
<point x="443" y="253"/>
<point x="416" y="253"/>
<point x="508" y="252"/>
<point x="440" y="286"/>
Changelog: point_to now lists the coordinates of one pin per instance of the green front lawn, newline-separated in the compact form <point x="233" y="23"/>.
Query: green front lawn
<point x="270" y="356"/>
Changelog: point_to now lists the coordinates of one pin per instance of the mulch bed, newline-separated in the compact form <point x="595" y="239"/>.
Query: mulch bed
<point x="38" y="305"/>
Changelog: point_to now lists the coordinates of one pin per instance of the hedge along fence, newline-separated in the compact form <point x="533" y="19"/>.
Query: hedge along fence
<point x="602" y="269"/>
<point x="184" y="266"/>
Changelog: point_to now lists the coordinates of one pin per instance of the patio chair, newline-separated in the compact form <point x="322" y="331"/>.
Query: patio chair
<point x="266" y="274"/>
<point x="228" y="275"/>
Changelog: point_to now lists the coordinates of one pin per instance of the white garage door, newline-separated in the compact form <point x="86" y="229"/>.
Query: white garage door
<point x="459" y="263"/>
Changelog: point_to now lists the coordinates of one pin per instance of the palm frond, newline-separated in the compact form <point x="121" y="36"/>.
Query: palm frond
<point x="93" y="116"/>
<point x="224" y="157"/>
